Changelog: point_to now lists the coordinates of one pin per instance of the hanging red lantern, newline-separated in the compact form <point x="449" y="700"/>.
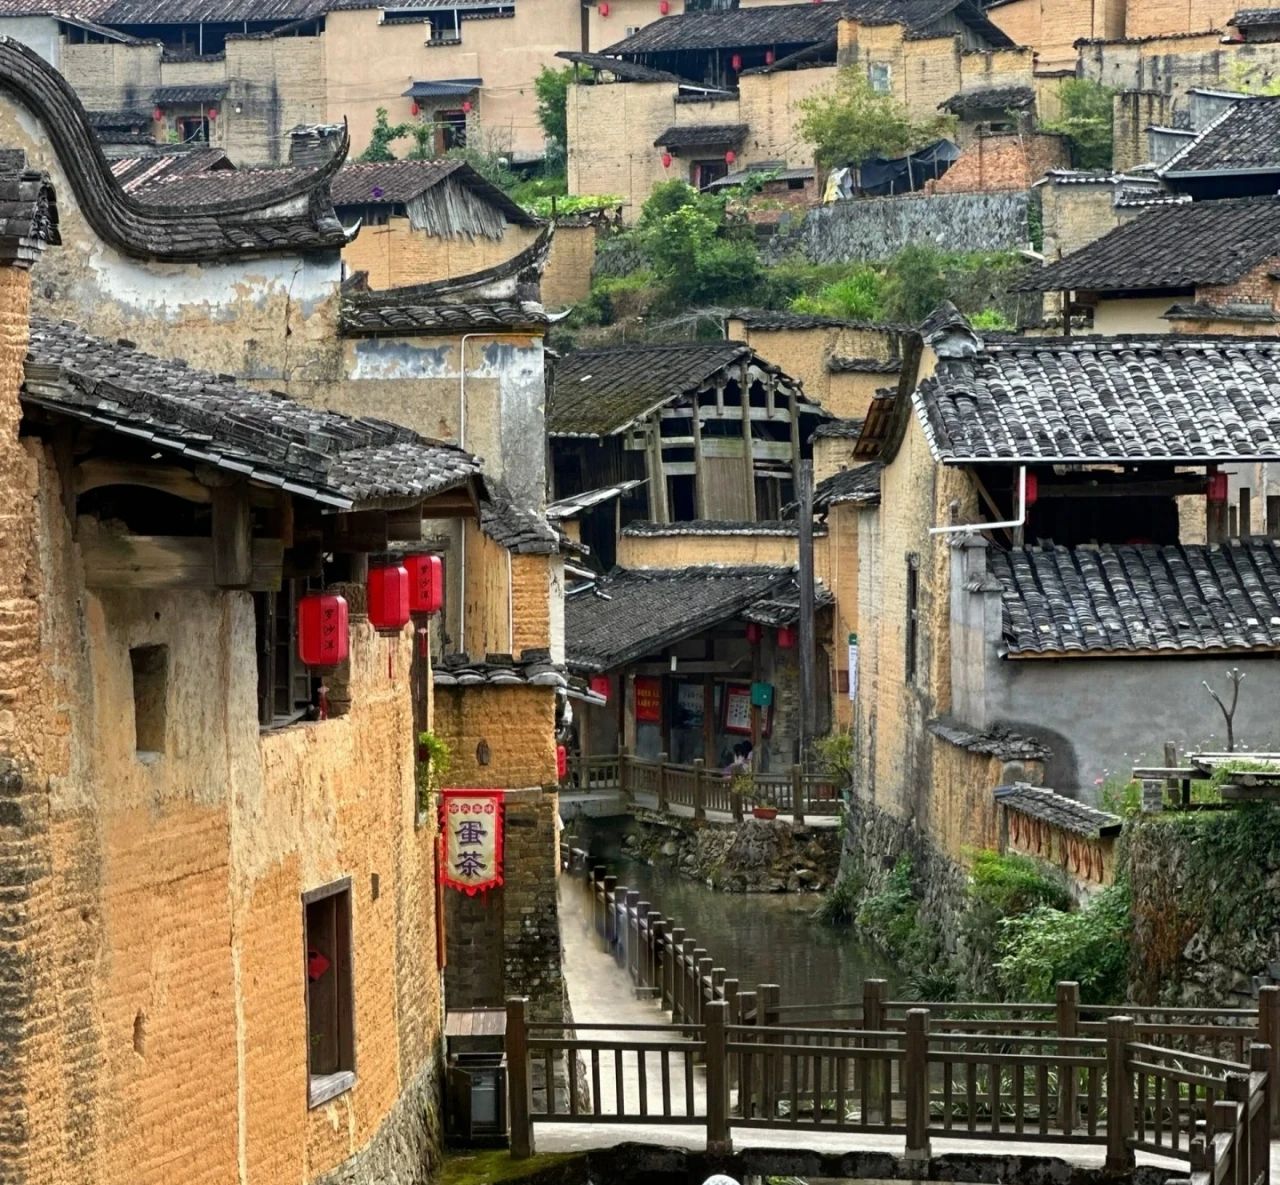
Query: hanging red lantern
<point x="736" y="62"/>
<point x="426" y="583"/>
<point x="769" y="57"/>
<point x="786" y="638"/>
<point x="414" y="108"/>
<point x="466" y="106"/>
<point x="730" y="157"/>
<point x="562" y="763"/>
<point x="604" y="10"/>
<point x="158" y="114"/>
<point x="388" y="590"/>
<point x="754" y="632"/>
<point x="1032" y="490"/>
<point x="664" y="6"/>
<point x="1217" y="491"/>
<point x="213" y="113"/>
<point x="666" y="160"/>
<point x="322" y="630"/>
<point x="599" y="684"/>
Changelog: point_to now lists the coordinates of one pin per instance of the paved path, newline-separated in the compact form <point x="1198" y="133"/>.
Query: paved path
<point x="600" y="992"/>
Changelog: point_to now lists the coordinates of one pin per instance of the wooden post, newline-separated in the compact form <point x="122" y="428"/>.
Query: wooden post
<point x="1246" y="512"/>
<point x="671" y="972"/>
<point x="915" y="1084"/>
<point x="631" y="917"/>
<point x="732" y="1016"/>
<point x="657" y="933"/>
<point x="718" y="976"/>
<point x="717" y="1059"/>
<point x="699" y="966"/>
<point x="1068" y="1017"/>
<point x="1233" y="522"/>
<point x="699" y="469"/>
<point x="1259" y="1126"/>
<point x="1222" y="1118"/>
<point x="808" y="637"/>
<point x="232" y="536"/>
<point x="624" y="773"/>
<point x="688" y="1002"/>
<point x="1119" y="1095"/>
<point x="748" y="1014"/>
<point x="1269" y="1035"/>
<point x="699" y="791"/>
<point x="768" y="996"/>
<point x="748" y="450"/>
<point x="874" y="994"/>
<point x="663" y="804"/>
<point x="610" y="917"/>
<point x="1170" y="762"/>
<point x="1273" y="515"/>
<point x="621" y="935"/>
<point x="797" y="795"/>
<point x="519" y="1089"/>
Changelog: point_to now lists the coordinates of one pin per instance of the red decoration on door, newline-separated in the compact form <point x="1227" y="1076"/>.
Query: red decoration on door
<point x="754" y="632"/>
<point x="323" y="638"/>
<point x="466" y="106"/>
<point x="1217" y="487"/>
<point x="736" y="62"/>
<point x="388" y="590"/>
<point x="786" y="638"/>
<point x="600" y="685"/>
<point x="317" y="965"/>
<point x="414" y="109"/>
<point x="426" y="583"/>
<point x="562" y="762"/>
<point x="648" y="699"/>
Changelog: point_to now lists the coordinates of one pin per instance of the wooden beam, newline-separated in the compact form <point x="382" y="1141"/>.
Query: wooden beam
<point x="658" y="507"/>
<point x="699" y="471"/>
<point x="405" y="524"/>
<point x="364" y="530"/>
<point x="793" y="413"/>
<point x="232" y="537"/>
<point x="748" y="460"/>
<point x="169" y="479"/>
<point x="1170" y="487"/>
<point x="165" y="561"/>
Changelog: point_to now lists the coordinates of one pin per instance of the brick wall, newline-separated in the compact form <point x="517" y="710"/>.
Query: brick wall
<point x="112" y="75"/>
<point x="566" y="279"/>
<point x="1255" y="287"/>
<point x="277" y="83"/>
<point x="1132" y="113"/>
<point x="1004" y="162"/>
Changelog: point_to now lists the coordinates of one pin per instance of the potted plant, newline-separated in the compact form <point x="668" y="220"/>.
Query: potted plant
<point x="743" y="785"/>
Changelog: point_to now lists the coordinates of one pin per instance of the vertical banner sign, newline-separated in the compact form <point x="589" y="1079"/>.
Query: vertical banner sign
<point x="648" y="699"/>
<point x="472" y="825"/>
<point x="853" y="666"/>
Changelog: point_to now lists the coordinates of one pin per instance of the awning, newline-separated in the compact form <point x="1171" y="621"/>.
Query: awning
<point x="444" y="88"/>
<point x="175" y="96"/>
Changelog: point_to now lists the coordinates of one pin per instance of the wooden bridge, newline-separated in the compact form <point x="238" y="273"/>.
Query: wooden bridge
<point x="1191" y="1085"/>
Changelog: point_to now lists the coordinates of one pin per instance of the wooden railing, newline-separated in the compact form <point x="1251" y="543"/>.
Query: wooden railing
<point x="793" y="792"/>
<point x="1058" y="1073"/>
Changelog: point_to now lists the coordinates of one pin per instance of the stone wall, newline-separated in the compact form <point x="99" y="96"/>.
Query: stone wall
<point x="877" y="228"/>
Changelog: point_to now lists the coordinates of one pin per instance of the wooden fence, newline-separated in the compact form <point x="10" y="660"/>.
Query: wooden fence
<point x="1063" y="1073"/>
<point x="794" y="792"/>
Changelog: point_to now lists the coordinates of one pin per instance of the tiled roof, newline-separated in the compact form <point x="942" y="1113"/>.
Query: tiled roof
<point x="1201" y="310"/>
<point x="693" y="135"/>
<point x="119" y="119"/>
<point x="1001" y="98"/>
<point x="135" y="172"/>
<point x="195" y="187"/>
<point x="773" y="170"/>
<point x="574" y="504"/>
<point x="177" y="96"/>
<point x="627" y="71"/>
<point x="996" y="741"/>
<point x="261" y="435"/>
<point x="1252" y="17"/>
<point x="1171" y="247"/>
<point x="363" y="183"/>
<point x="1058" y="810"/>
<point x="784" y="319"/>
<point x="534" y="668"/>
<point x="1140" y="598"/>
<point x="28" y="210"/>
<point x="227" y="229"/>
<point x="843" y="429"/>
<point x="599" y="392"/>
<point x="699" y="526"/>
<point x="517" y="528"/>
<point x="819" y="54"/>
<point x="1245" y="137"/>
<point x="187" y="12"/>
<point x="631" y="613"/>
<point x="783" y="608"/>
<point x="1173" y="397"/>
<point x="859" y="484"/>
<point x="843" y="364"/>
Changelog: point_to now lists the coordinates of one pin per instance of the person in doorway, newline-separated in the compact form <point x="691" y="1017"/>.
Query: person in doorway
<point x="741" y="763"/>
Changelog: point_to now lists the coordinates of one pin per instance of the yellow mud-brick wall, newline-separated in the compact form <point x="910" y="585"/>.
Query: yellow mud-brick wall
<point x="850" y="392"/>
<point x="685" y="551"/>
<point x="839" y="550"/>
<point x="395" y="254"/>
<point x="566" y="279"/>
<point x="962" y="815"/>
<point x="769" y="104"/>
<point x="1088" y="864"/>
<point x="277" y="83"/>
<point x="112" y="75"/>
<point x="498" y="736"/>
<point x="1159" y="18"/>
<point x="507" y="598"/>
<point x="832" y="454"/>
<point x="1052" y="27"/>
<point x="1074" y="216"/>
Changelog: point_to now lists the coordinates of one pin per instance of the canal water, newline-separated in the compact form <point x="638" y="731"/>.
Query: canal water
<point x="757" y="937"/>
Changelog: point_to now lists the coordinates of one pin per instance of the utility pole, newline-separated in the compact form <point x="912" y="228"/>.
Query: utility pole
<point x="808" y="643"/>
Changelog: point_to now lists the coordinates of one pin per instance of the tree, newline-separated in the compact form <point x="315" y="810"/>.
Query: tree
<point x="1086" y="121"/>
<point x="382" y="136"/>
<point x="552" y="90"/>
<point x="916" y="283"/>
<point x="851" y="122"/>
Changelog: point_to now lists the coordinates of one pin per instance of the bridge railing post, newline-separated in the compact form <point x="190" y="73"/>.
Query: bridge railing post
<point x="688" y="1004"/>
<point x="663" y="804"/>
<point x="631" y="923"/>
<point x="610" y="933"/>
<point x="915" y="1084"/>
<point x="1257" y="1127"/>
<point x="732" y="1016"/>
<point x="797" y="795"/>
<point x="719" y="1142"/>
<point x="675" y="945"/>
<point x="699" y="789"/>
<point x="1068" y="1025"/>
<point x="644" y="945"/>
<point x="699" y="966"/>
<point x="624" y="772"/>
<point x="597" y="900"/>
<point x="874" y="994"/>
<point x="657" y="936"/>
<point x="768" y="997"/>
<point x="1269" y="1035"/>
<point x="1119" y="1095"/>
<point x="748" y="1014"/>
<point x="519" y="1091"/>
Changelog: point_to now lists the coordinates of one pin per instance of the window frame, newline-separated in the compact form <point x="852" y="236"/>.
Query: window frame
<point x="911" y="666"/>
<point x="321" y="1088"/>
<point x="268" y="647"/>
<point x="880" y="77"/>
<point x="142" y="656"/>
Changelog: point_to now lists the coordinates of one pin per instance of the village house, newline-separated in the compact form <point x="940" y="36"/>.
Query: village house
<point x="1048" y="575"/>
<point x="1235" y="152"/>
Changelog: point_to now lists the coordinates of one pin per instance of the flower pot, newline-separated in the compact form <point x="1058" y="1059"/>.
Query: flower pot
<point x="765" y="812"/>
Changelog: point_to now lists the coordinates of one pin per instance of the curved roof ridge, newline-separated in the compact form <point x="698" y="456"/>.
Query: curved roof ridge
<point x="154" y="232"/>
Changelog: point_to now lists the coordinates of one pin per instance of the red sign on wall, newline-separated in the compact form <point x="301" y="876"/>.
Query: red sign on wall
<point x="472" y="825"/>
<point x="648" y="699"/>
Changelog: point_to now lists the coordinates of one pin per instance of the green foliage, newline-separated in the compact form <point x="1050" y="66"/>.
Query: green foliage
<point x="860" y="295"/>
<point x="890" y="917"/>
<point x="552" y="90"/>
<point x="850" y="122"/>
<point x="1013" y="884"/>
<point x="1035" y="223"/>
<point x="835" y="751"/>
<point x="992" y="319"/>
<point x="491" y="165"/>
<point x="1086" y="120"/>
<point x="434" y="760"/>
<point x="839" y="904"/>
<point x="545" y="207"/>
<point x="384" y="134"/>
<point x="916" y="284"/>
<point x="1090" y="945"/>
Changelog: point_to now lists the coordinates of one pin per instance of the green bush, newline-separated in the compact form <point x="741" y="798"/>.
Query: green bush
<point x="1090" y="945"/>
<point x="1013" y="884"/>
<point x="839" y="904"/>
<point x="1087" y="122"/>
<point x="859" y="296"/>
<point x="992" y="319"/>
<point x="890" y="917"/>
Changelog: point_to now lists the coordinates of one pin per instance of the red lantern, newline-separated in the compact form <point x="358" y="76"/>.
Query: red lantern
<point x="388" y="590"/>
<point x="158" y="114"/>
<point x="600" y="685"/>
<point x="769" y="57"/>
<point x="666" y="160"/>
<point x="322" y="630"/>
<point x="664" y="6"/>
<point x="730" y="157"/>
<point x="1033" y="490"/>
<point x="426" y="583"/>
<point x="754" y="632"/>
<point x="414" y="108"/>
<point x="213" y="113"/>
<point x="466" y="106"/>
<point x="604" y="10"/>
<point x="1217" y="491"/>
<point x="736" y="62"/>
<point x="562" y="763"/>
<point x="786" y="638"/>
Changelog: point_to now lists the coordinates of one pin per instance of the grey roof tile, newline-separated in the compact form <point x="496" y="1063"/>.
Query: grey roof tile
<point x="783" y="608"/>
<point x="1244" y="137"/>
<point x="697" y="135"/>
<point x="364" y="183"/>
<point x="765" y="527"/>
<point x="1042" y="803"/>
<point x="625" y="70"/>
<point x="1140" y="598"/>
<point x="1001" y="98"/>
<point x="996" y="741"/>
<point x="1247" y="18"/>
<point x="844" y="364"/>
<point x="188" y="93"/>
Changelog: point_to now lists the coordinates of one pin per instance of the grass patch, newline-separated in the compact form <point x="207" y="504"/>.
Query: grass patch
<point x="494" y="1166"/>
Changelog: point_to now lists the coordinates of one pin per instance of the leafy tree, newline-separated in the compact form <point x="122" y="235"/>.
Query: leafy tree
<point x="552" y="90"/>
<point x="383" y="136"/>
<point x="851" y="122"/>
<point x="1086" y="120"/>
<point x="916" y="284"/>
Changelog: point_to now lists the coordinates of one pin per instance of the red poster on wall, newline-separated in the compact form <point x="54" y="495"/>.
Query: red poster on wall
<point x="648" y="699"/>
<point x="472" y="825"/>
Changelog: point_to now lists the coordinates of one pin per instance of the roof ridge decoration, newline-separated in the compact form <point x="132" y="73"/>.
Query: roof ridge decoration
<point x="156" y="232"/>
<point x="948" y="333"/>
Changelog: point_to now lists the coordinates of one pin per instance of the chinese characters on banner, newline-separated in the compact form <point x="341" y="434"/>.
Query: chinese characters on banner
<point x="648" y="699"/>
<point x="737" y="709"/>
<point x="853" y="666"/>
<point x="472" y="825"/>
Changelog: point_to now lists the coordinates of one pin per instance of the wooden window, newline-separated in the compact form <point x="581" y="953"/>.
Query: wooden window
<point x="193" y="129"/>
<point x="913" y="616"/>
<point x="286" y="690"/>
<point x="330" y="1006"/>
<point x="880" y="75"/>
<point x="150" y="668"/>
<point x="451" y="130"/>
<point x="703" y="172"/>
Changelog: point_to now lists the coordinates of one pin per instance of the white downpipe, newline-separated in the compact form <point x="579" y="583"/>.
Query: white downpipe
<point x="1013" y="522"/>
